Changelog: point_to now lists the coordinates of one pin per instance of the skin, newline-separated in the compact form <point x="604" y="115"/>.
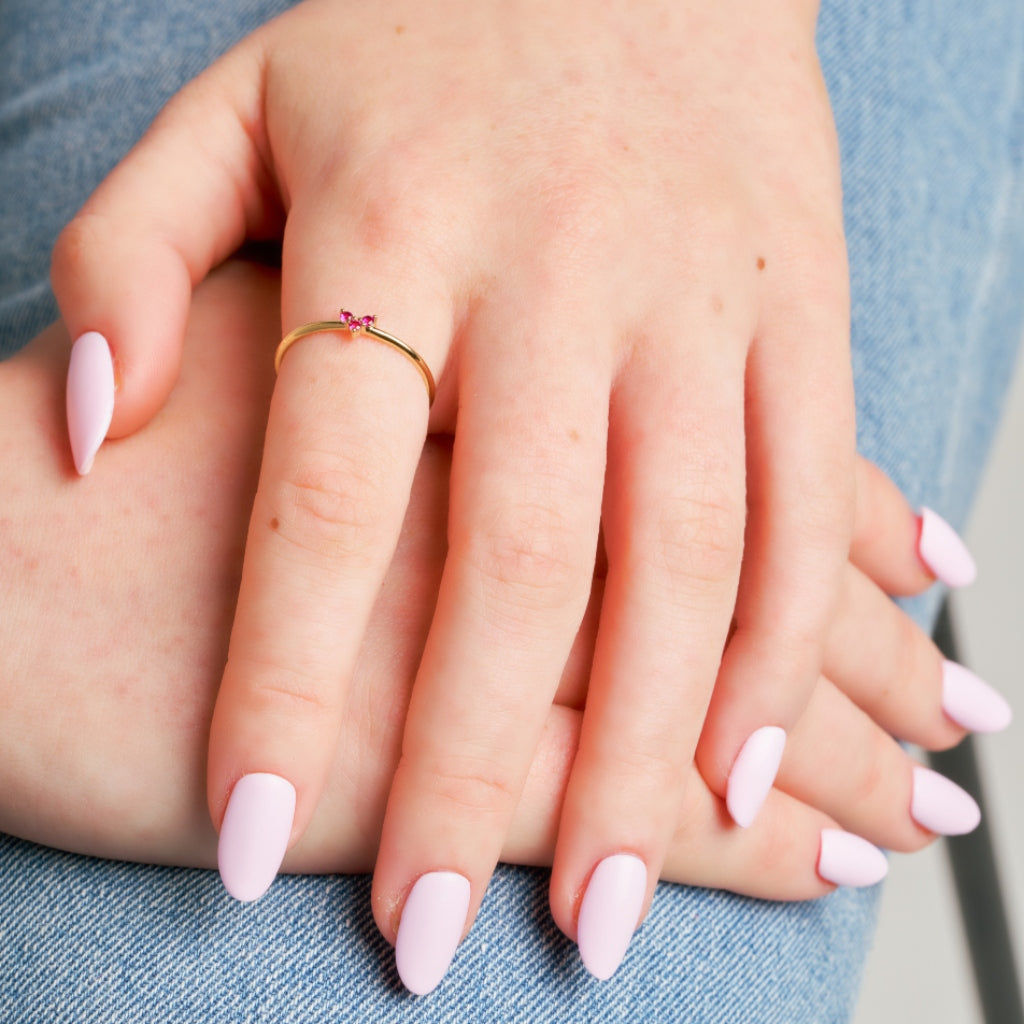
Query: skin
<point x="649" y="338"/>
<point x="124" y="585"/>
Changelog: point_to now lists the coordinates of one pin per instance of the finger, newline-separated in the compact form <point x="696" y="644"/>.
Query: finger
<point x="186" y="196"/>
<point x="800" y="451"/>
<point x="346" y="427"/>
<point x="841" y="762"/>
<point x="902" y="551"/>
<point x="778" y="858"/>
<point x="673" y="521"/>
<point x="900" y="677"/>
<point x="522" y="531"/>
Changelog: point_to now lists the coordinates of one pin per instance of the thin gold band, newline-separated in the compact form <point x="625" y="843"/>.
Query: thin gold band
<point x="330" y="326"/>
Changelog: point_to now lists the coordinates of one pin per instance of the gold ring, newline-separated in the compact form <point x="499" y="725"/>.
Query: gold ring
<point x="356" y="325"/>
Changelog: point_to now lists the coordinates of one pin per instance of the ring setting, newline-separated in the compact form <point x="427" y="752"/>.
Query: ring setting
<point x="353" y="324"/>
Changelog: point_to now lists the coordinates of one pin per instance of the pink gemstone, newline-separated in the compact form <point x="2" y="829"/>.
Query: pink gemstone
<point x="345" y="316"/>
<point x="368" y="321"/>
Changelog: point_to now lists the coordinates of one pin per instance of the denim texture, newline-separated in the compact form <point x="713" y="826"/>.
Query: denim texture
<point x="928" y="102"/>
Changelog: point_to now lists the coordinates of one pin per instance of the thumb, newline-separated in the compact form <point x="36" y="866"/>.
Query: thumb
<point x="189" y="193"/>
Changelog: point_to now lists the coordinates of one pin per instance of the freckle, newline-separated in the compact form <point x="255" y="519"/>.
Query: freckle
<point x="716" y="303"/>
<point x="574" y="435"/>
<point x="275" y="524"/>
<point x="760" y="263"/>
<point x="399" y="29"/>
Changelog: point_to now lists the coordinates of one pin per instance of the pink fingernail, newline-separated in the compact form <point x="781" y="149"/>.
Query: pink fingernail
<point x="433" y="918"/>
<point x="941" y="806"/>
<point x="610" y="912"/>
<point x="971" y="702"/>
<point x="90" y="398"/>
<point x="254" y="834"/>
<point x="942" y="550"/>
<point x="753" y="773"/>
<point x="846" y="859"/>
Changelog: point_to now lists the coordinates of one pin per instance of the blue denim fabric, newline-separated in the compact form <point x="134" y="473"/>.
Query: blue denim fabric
<point x="928" y="101"/>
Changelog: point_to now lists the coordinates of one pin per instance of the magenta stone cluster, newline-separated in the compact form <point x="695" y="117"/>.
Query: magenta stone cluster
<point x="355" y="323"/>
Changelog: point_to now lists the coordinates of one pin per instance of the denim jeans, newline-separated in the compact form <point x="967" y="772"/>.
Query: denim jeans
<point x="929" y="102"/>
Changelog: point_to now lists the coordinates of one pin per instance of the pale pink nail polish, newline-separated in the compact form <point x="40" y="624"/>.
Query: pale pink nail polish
<point x="941" y="806"/>
<point x="753" y="773"/>
<point x="942" y="550"/>
<point x="90" y="397"/>
<point x="610" y="912"/>
<point x="254" y="834"/>
<point x="846" y="859"/>
<point x="433" y="918"/>
<point x="971" y="702"/>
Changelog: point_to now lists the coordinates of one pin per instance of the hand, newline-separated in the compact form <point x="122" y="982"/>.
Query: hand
<point x="106" y="716"/>
<point x="667" y="157"/>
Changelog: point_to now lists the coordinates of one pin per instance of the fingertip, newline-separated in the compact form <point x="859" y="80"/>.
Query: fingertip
<point x="847" y="859"/>
<point x="887" y="534"/>
<point x="610" y="912"/>
<point x="430" y="929"/>
<point x="90" y="397"/>
<point x="753" y="773"/>
<point x="943" y="551"/>
<point x="255" y="833"/>
<point x="971" y="702"/>
<point x="940" y="806"/>
<point x="134" y="293"/>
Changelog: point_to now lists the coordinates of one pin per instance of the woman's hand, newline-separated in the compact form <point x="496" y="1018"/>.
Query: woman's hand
<point x="119" y="601"/>
<point x="615" y="235"/>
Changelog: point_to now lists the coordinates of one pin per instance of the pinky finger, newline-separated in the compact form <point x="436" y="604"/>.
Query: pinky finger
<point x="791" y="851"/>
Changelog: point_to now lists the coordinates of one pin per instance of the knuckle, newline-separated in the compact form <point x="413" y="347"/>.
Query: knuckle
<point x="530" y="554"/>
<point x="475" y="784"/>
<point x="698" y="538"/>
<point x="649" y="770"/>
<point x="906" y="697"/>
<point x="80" y="239"/>
<point x="279" y="692"/>
<point x="827" y="514"/>
<point x="871" y="780"/>
<point x="332" y="510"/>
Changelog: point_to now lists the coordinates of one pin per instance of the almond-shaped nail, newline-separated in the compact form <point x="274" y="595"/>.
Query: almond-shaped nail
<point x="610" y="912"/>
<point x="941" y="806"/>
<point x="432" y="921"/>
<point x="254" y="834"/>
<point x="971" y="702"/>
<point x="753" y="773"/>
<point x="90" y="397"/>
<point x="942" y="550"/>
<point x="846" y="859"/>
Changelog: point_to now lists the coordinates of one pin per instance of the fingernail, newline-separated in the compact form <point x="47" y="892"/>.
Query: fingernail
<point x="610" y="912"/>
<point x="90" y="397"/>
<point x="433" y="918"/>
<point x="753" y="773"/>
<point x="254" y="834"/>
<point x="846" y="859"/>
<point x="942" y="550"/>
<point x="941" y="806"/>
<point x="971" y="702"/>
